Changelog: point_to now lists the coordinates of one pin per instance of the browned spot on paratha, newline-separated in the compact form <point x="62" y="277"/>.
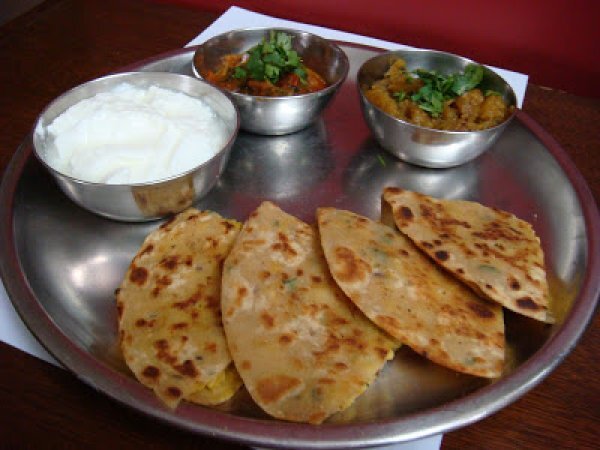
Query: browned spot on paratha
<point x="167" y="224"/>
<point x="267" y="320"/>
<point x="264" y="274"/>
<point x="273" y="388"/>
<point x="317" y="417"/>
<point x="151" y="372"/>
<point x="514" y="284"/>
<point x="348" y="267"/>
<point x="138" y="275"/>
<point x="340" y="366"/>
<point x="141" y="322"/>
<point x="192" y="300"/>
<point x="481" y="310"/>
<point x="187" y="369"/>
<point x="441" y="255"/>
<point x="406" y="213"/>
<point x="170" y="262"/>
<point x="174" y="392"/>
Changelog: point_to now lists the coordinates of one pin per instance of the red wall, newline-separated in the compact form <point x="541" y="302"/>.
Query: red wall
<point x="555" y="42"/>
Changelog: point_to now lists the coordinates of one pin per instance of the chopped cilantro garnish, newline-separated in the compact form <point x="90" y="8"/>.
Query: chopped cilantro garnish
<point x="401" y="95"/>
<point x="429" y="99"/>
<point x="438" y="88"/>
<point x="239" y="72"/>
<point x="271" y="59"/>
<point x="467" y="80"/>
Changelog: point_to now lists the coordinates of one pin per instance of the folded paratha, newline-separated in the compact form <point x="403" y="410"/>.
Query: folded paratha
<point x="170" y="326"/>
<point x="303" y="350"/>
<point x="401" y="290"/>
<point x="495" y="253"/>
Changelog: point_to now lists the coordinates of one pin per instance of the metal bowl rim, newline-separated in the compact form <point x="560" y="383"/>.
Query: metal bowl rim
<point x="133" y="74"/>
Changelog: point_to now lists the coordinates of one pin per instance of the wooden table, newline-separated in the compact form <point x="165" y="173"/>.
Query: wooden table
<point x="65" y="42"/>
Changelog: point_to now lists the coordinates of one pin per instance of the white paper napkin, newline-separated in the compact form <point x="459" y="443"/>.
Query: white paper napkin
<point x="14" y="332"/>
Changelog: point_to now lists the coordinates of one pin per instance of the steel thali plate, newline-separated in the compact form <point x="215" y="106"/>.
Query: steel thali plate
<point x="62" y="264"/>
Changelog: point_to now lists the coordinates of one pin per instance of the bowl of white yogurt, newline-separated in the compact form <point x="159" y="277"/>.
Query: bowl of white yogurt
<point x="137" y="146"/>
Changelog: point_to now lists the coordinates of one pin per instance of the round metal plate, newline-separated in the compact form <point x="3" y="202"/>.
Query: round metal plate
<point x="61" y="265"/>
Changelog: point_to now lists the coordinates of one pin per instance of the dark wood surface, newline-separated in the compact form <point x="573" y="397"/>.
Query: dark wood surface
<point x="65" y="42"/>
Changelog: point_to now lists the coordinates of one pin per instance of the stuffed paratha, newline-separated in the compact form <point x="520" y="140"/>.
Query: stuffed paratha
<point x="303" y="350"/>
<point x="169" y="308"/>
<point x="400" y="289"/>
<point x="495" y="253"/>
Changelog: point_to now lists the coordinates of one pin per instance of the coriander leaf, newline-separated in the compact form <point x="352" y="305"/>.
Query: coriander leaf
<point x="468" y="80"/>
<point x="492" y="92"/>
<point x="239" y="72"/>
<point x="256" y="68"/>
<point x="293" y="60"/>
<point x="283" y="40"/>
<point x="267" y="48"/>
<point x="301" y="74"/>
<point x="446" y="86"/>
<point x="256" y="52"/>
<point x="274" y="59"/>
<point x="271" y="72"/>
<point x="430" y="100"/>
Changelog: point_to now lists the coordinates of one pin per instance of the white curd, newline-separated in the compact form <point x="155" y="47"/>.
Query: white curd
<point x="134" y="135"/>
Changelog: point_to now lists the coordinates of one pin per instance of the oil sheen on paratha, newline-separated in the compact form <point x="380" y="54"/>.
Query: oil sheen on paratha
<point x="495" y="253"/>
<point x="303" y="350"/>
<point x="400" y="289"/>
<point x="170" y="313"/>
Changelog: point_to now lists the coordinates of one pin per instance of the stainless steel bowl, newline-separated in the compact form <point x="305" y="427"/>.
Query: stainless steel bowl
<point x="278" y="115"/>
<point x="426" y="146"/>
<point x="141" y="201"/>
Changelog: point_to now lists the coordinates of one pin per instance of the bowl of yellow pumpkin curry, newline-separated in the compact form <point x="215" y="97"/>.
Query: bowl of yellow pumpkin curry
<point x="433" y="109"/>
